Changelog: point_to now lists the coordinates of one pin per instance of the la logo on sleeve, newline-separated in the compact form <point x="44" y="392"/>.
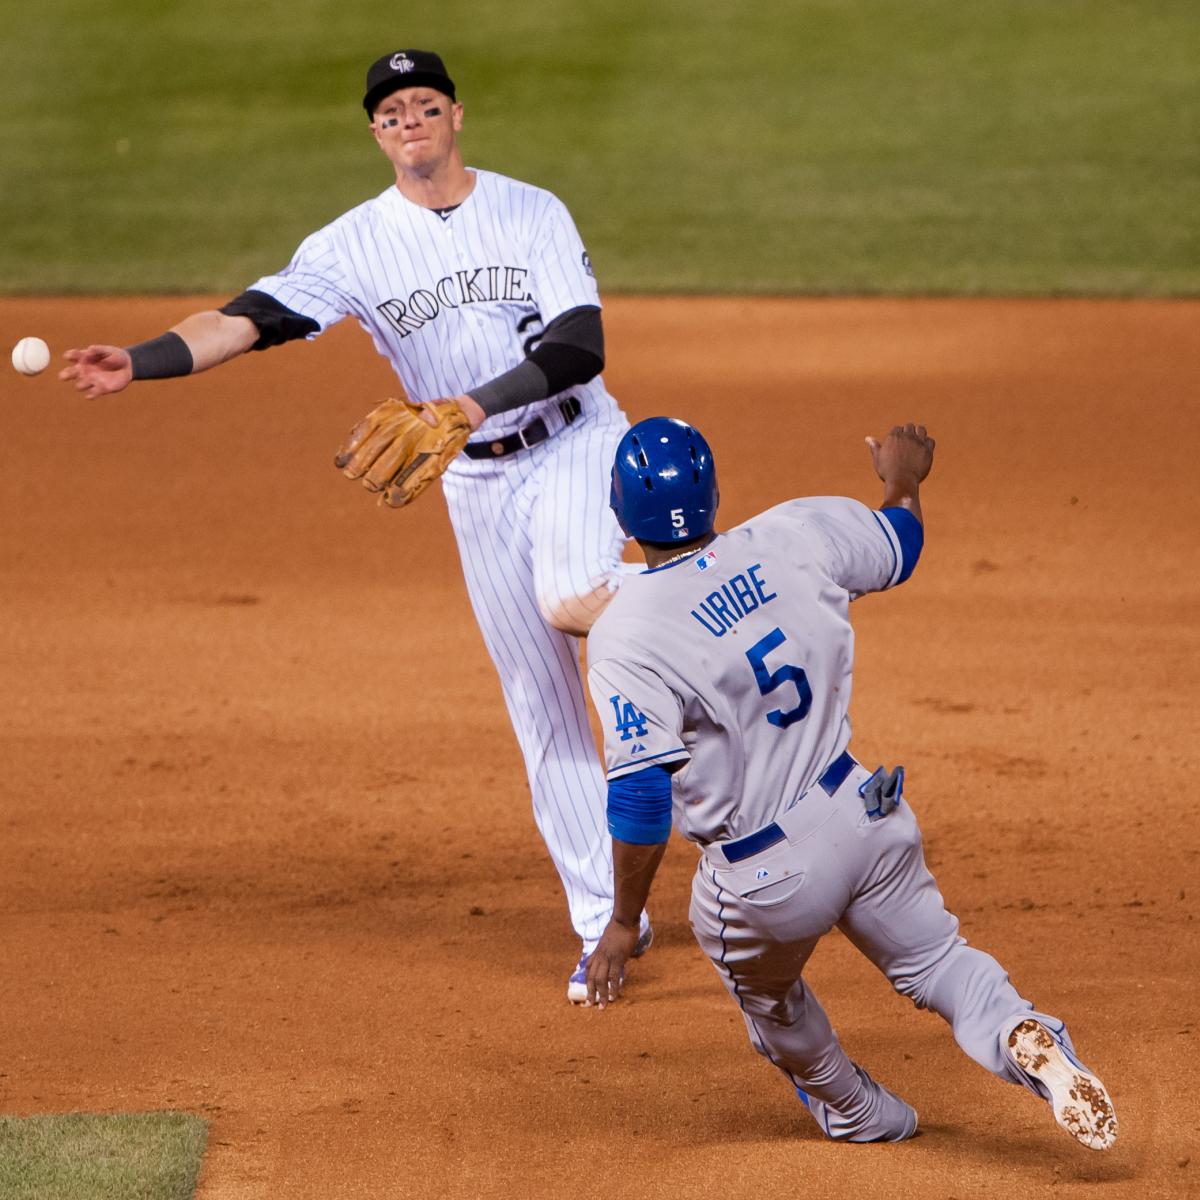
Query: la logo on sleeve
<point x="628" y="718"/>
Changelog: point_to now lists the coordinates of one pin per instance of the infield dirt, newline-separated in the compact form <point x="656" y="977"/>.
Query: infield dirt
<point x="265" y="845"/>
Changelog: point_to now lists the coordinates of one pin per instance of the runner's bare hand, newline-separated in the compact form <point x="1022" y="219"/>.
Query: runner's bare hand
<point x="906" y="452"/>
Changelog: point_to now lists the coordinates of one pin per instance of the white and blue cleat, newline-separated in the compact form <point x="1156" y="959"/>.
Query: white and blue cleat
<point x="577" y="983"/>
<point x="1081" y="1103"/>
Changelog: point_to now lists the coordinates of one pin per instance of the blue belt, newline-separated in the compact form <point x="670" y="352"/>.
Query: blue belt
<point x="750" y="845"/>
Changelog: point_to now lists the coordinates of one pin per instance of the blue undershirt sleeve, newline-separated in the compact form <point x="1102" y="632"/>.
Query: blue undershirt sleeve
<point x="639" y="806"/>
<point x="911" y="533"/>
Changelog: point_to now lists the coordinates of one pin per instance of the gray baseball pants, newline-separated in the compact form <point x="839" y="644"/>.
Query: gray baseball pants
<point x="760" y="919"/>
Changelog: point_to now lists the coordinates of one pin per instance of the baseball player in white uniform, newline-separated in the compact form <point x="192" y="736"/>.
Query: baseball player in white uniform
<point x="723" y="675"/>
<point x="478" y="290"/>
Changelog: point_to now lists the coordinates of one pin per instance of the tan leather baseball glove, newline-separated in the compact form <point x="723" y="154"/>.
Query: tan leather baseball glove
<point x="394" y="449"/>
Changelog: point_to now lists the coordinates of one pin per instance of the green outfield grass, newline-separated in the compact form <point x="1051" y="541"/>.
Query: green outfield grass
<point x="142" y="1156"/>
<point x="863" y="146"/>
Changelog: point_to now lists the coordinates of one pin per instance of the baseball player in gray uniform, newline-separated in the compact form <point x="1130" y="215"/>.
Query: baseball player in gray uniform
<point x="478" y="290"/>
<point x="723" y="675"/>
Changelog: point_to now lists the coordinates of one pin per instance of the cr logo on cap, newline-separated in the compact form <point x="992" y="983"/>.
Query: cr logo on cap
<point x="401" y="62"/>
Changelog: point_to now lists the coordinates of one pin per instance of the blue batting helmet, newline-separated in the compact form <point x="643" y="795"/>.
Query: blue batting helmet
<point x="664" y="483"/>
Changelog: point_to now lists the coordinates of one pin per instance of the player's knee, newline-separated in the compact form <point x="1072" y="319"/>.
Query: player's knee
<point x="769" y="1009"/>
<point x="571" y="611"/>
<point x="937" y="982"/>
<point x="915" y="987"/>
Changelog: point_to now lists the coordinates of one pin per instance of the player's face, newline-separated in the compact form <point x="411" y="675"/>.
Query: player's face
<point x="416" y="128"/>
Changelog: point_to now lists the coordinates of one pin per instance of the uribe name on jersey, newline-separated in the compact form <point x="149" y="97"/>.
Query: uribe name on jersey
<point x="745" y="591"/>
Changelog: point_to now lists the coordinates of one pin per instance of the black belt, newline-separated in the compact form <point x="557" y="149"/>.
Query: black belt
<point x="526" y="436"/>
<point x="761" y="839"/>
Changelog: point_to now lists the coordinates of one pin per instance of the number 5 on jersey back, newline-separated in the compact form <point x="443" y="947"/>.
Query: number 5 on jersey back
<point x="768" y="681"/>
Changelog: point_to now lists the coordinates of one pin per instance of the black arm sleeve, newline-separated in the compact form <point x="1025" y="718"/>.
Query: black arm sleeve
<point x="571" y="351"/>
<point x="276" y="322"/>
<point x="162" y="357"/>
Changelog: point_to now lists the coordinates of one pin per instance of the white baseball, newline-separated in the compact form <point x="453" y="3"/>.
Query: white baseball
<point x="31" y="356"/>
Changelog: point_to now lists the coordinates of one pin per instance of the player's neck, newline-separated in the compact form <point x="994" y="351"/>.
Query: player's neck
<point x="444" y="187"/>
<point x="659" y="556"/>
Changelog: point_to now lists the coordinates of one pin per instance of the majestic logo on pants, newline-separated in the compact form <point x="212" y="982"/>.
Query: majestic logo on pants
<point x="475" y="285"/>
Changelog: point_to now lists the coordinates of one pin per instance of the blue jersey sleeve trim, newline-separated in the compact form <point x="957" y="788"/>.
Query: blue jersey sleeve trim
<point x="911" y="535"/>
<point x="639" y="807"/>
<point x="893" y="545"/>
<point x="678" y="755"/>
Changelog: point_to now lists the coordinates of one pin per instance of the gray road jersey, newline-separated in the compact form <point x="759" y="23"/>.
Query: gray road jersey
<point x="737" y="662"/>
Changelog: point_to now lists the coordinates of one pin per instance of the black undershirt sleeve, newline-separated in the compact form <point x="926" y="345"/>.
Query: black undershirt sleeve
<point x="571" y="351"/>
<point x="276" y="323"/>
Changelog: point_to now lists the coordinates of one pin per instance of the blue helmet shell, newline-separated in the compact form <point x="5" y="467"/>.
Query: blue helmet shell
<point x="664" y="483"/>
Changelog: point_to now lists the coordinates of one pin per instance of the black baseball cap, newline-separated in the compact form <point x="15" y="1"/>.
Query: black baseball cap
<point x="405" y="68"/>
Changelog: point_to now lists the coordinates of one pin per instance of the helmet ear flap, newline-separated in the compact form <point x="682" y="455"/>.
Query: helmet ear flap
<point x="615" y="502"/>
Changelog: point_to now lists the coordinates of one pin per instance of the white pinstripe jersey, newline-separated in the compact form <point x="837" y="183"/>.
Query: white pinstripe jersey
<point x="737" y="661"/>
<point x="450" y="302"/>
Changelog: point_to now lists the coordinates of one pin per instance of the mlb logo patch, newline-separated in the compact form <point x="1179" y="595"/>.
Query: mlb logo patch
<point x="702" y="563"/>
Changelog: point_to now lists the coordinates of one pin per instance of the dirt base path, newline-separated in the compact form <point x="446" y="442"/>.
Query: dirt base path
<point x="265" y="847"/>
